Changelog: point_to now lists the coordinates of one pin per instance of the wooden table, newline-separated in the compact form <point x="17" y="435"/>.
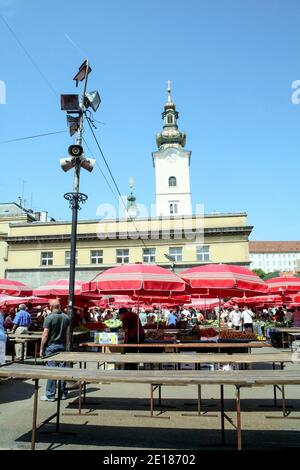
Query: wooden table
<point x="160" y="358"/>
<point x="32" y="336"/>
<point x="24" y="339"/>
<point x="238" y="378"/>
<point x="178" y="346"/>
<point x="191" y="358"/>
<point x="286" y="332"/>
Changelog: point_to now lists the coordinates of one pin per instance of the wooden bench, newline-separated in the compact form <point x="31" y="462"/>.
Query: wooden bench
<point x="238" y="378"/>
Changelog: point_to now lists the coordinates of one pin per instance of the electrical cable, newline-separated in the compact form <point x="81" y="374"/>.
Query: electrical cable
<point x="113" y="179"/>
<point x="31" y="137"/>
<point x="103" y="174"/>
<point x="28" y="55"/>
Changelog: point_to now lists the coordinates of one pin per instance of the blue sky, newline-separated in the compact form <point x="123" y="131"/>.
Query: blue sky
<point x="231" y="63"/>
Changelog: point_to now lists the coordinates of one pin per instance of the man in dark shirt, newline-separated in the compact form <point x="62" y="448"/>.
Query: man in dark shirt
<point x="54" y="340"/>
<point x="134" y="332"/>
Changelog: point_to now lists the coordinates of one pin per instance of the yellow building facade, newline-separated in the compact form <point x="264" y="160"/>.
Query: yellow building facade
<point x="10" y="212"/>
<point x="38" y="252"/>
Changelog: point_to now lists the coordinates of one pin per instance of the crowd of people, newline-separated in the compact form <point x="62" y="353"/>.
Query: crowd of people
<point x="235" y="316"/>
<point x="54" y="322"/>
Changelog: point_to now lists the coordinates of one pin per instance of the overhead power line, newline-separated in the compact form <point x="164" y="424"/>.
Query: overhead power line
<point x="31" y="137"/>
<point x="29" y="55"/>
<point x="101" y="171"/>
<point x="113" y="178"/>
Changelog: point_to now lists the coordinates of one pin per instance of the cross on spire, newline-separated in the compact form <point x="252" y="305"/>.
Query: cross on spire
<point x="169" y="92"/>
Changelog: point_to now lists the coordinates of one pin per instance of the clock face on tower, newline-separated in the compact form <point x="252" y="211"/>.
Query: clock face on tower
<point x="171" y="155"/>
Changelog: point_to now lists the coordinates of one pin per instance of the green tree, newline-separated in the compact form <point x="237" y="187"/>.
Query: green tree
<point x="270" y="275"/>
<point x="260" y="272"/>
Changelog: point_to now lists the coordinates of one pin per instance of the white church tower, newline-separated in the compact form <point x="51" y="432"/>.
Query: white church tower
<point x="172" y="166"/>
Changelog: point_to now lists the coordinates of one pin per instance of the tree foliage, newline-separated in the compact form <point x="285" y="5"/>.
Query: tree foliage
<point x="270" y="275"/>
<point x="260" y="272"/>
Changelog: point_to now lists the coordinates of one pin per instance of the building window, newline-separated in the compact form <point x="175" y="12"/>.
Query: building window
<point x="96" y="256"/>
<point x="176" y="253"/>
<point x="170" y="119"/>
<point x="46" y="258"/>
<point x="68" y="258"/>
<point x="149" y="255"/>
<point x="123" y="256"/>
<point x="172" y="181"/>
<point x="203" y="253"/>
<point x="173" y="208"/>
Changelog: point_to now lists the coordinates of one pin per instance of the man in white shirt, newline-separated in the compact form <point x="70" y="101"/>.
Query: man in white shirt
<point x="235" y="318"/>
<point x="185" y="314"/>
<point x="247" y="318"/>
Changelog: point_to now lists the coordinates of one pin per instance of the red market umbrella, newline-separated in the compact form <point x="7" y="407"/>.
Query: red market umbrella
<point x="292" y="300"/>
<point x="6" y="300"/>
<point x="58" y="288"/>
<point x="295" y="298"/>
<point x="283" y="285"/>
<point x="223" y="280"/>
<point x="9" y="287"/>
<point x="137" y="279"/>
<point x="203" y="304"/>
<point x="256" y="301"/>
<point x="159" y="299"/>
<point x="116" y="301"/>
<point x="140" y="280"/>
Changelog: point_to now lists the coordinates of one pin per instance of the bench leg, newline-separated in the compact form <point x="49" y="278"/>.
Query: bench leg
<point x="34" y="415"/>
<point x="199" y="399"/>
<point x="222" y="415"/>
<point x="59" y="394"/>
<point x="238" y="418"/>
<point x="151" y="399"/>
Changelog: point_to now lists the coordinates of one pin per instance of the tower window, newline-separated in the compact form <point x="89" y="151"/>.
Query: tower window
<point x="173" y="208"/>
<point x="170" y="119"/>
<point x="172" y="181"/>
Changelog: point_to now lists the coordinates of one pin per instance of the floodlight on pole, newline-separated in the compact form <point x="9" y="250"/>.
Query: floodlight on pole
<point x="76" y="160"/>
<point x="70" y="103"/>
<point x="83" y="72"/>
<point x="73" y="123"/>
<point x="93" y="100"/>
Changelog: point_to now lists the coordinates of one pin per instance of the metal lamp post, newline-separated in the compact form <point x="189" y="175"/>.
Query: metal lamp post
<point x="173" y="261"/>
<point x="70" y="103"/>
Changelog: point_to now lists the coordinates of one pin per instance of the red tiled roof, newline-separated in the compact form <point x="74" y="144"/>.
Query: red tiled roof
<point x="274" y="247"/>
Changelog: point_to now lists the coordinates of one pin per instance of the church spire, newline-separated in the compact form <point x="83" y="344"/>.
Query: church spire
<point x="169" y="92"/>
<point x="131" y="209"/>
<point x="170" y="135"/>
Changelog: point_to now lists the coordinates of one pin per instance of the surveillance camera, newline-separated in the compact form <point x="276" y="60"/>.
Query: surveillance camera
<point x="75" y="150"/>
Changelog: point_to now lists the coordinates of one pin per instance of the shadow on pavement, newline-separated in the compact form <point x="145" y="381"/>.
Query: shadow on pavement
<point x="124" y="437"/>
<point x="184" y="404"/>
<point x="15" y="390"/>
